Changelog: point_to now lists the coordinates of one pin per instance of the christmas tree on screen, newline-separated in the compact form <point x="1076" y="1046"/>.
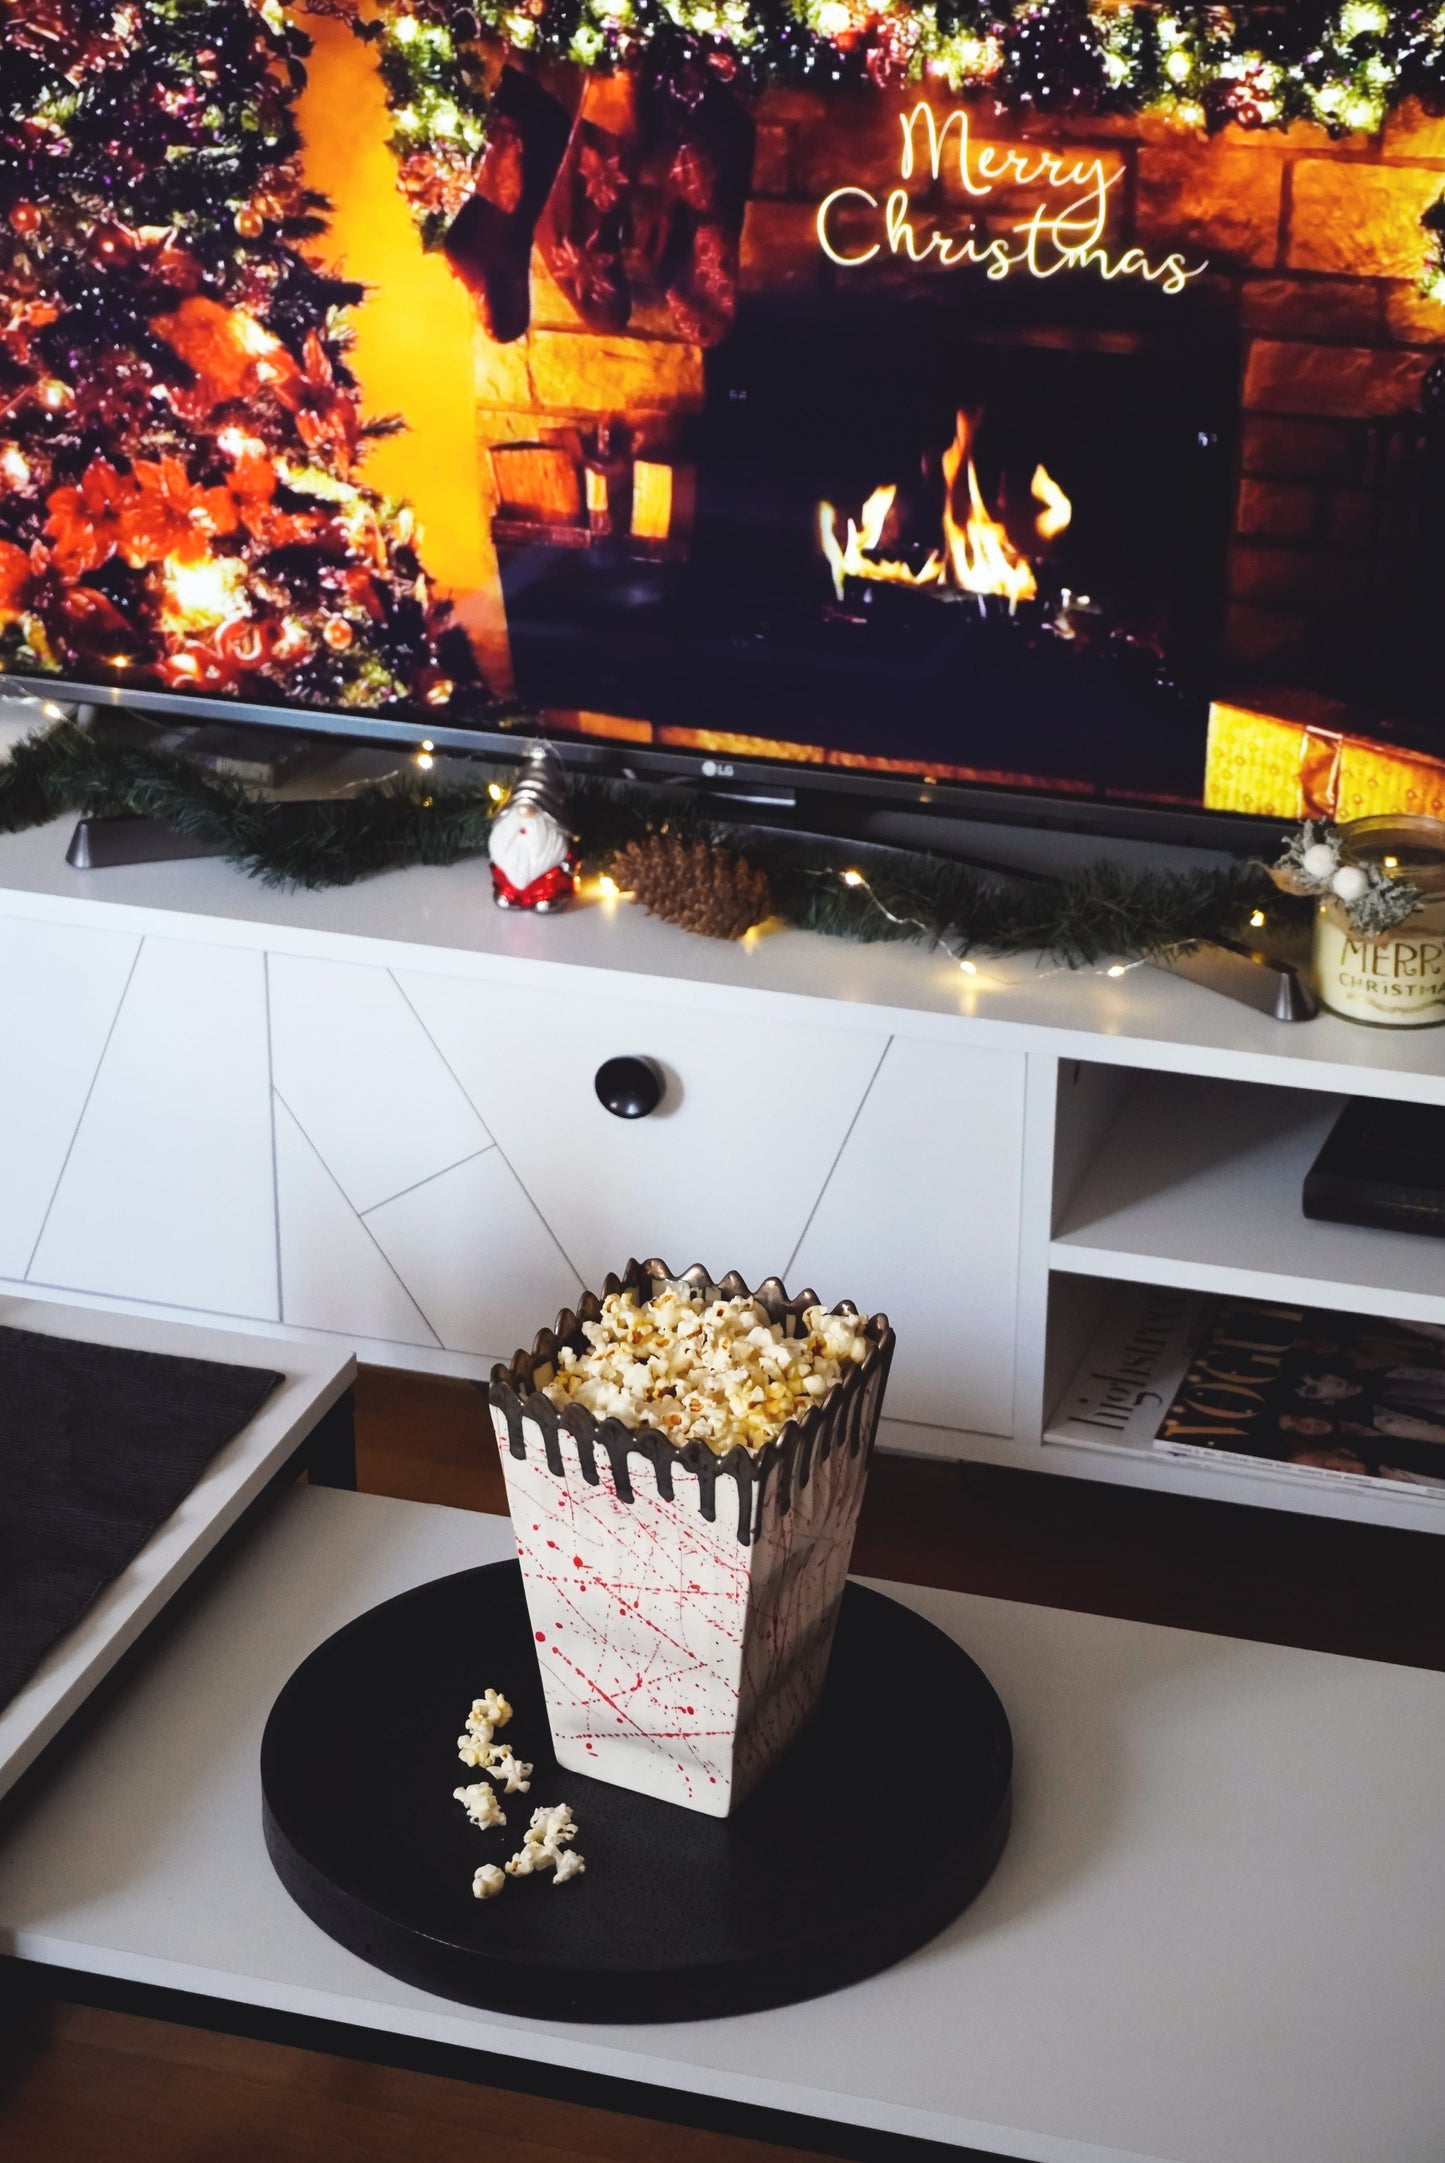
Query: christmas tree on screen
<point x="179" y="433"/>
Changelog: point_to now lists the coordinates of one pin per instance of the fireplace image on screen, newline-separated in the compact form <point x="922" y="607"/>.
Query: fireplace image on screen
<point x="962" y="536"/>
<point x="834" y="393"/>
<point x="1147" y="516"/>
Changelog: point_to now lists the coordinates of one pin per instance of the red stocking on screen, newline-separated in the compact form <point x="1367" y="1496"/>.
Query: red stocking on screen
<point x="489" y="242"/>
<point x="708" y="176"/>
<point x="584" y="233"/>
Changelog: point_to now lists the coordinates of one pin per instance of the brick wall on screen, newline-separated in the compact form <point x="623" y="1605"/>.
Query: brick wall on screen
<point x="1320" y="242"/>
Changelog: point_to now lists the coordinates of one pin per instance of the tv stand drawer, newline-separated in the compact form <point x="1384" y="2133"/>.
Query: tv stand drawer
<point x="419" y="1163"/>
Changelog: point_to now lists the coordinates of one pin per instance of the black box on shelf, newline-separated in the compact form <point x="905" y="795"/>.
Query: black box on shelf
<point x="1382" y="1164"/>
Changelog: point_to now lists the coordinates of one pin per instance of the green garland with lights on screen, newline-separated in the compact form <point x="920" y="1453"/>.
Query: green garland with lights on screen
<point x="1256" y="64"/>
<point x="1345" y="66"/>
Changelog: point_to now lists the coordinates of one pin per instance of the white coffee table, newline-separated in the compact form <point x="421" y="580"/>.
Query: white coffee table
<point x="1217" y="1934"/>
<point x="305" y="1419"/>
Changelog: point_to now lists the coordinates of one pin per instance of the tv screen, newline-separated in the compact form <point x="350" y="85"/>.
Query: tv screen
<point x="955" y="398"/>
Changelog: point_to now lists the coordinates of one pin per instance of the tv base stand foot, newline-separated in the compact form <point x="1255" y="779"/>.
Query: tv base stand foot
<point x="99" y="844"/>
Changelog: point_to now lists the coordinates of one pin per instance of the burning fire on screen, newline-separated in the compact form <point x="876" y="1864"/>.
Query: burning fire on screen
<point x="977" y="555"/>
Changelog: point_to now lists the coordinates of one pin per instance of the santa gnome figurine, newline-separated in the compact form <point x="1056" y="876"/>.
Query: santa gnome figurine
<point x="534" y="863"/>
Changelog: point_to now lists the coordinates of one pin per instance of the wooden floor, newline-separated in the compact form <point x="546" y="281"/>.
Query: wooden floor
<point x="76" y="2082"/>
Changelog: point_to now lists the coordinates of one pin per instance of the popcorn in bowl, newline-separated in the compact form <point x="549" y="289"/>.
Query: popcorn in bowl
<point x="685" y="1459"/>
<point x="719" y="1371"/>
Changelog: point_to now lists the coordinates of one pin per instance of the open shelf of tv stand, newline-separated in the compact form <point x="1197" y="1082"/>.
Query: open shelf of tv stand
<point x="1198" y="1184"/>
<point x="1193" y="1182"/>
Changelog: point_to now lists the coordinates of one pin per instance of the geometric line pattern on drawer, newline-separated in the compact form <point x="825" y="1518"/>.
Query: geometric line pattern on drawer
<point x="364" y="1080"/>
<point x="727" y="1169"/>
<point x="476" y="1256"/>
<point x="551" y="1229"/>
<point x="789" y="1274"/>
<point x="167" y="1194"/>
<point x="334" y="1276"/>
<point x="61" y="987"/>
<point x="920" y="1217"/>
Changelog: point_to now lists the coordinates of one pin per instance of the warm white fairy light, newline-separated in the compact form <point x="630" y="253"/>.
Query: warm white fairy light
<point x="854" y="878"/>
<point x="1256" y="919"/>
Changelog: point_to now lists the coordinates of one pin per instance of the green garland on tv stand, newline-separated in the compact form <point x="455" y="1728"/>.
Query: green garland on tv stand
<point x="1104" y="912"/>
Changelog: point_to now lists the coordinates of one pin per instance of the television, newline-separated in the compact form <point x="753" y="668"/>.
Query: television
<point x="1007" y="405"/>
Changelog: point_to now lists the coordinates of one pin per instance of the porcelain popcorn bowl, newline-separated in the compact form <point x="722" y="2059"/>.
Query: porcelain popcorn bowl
<point x="683" y="1602"/>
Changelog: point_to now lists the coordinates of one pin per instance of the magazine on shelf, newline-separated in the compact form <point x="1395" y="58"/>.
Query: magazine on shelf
<point x="1133" y="1366"/>
<point x="1269" y="1386"/>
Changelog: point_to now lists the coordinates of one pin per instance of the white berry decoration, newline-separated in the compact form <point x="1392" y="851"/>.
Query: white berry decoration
<point x="1349" y="883"/>
<point x="1319" y="861"/>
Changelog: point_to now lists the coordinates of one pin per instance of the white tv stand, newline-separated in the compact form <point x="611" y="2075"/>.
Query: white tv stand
<point x="370" y="1113"/>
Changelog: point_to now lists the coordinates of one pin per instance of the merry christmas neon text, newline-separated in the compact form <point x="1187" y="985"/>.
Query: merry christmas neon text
<point x="1055" y="237"/>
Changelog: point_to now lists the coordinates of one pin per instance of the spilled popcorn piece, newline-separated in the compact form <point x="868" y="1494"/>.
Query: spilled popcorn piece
<point x="489" y="1712"/>
<point x="514" y="1773"/>
<point x="481" y="1805"/>
<point x="708" y="1370"/>
<point x="552" y="1827"/>
<point x="545" y="1843"/>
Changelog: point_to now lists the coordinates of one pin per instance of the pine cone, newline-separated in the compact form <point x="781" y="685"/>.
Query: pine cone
<point x="695" y="884"/>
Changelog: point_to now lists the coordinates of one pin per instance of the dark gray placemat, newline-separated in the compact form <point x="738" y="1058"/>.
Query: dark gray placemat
<point x="97" y="1447"/>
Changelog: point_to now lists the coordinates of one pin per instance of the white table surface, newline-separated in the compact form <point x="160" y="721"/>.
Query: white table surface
<point x="314" y="1377"/>
<point x="1217" y="1934"/>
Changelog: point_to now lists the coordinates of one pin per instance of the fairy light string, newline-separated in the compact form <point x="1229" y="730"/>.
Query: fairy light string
<point x="858" y="882"/>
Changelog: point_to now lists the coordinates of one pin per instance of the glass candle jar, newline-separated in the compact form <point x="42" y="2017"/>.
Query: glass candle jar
<point x="1392" y="979"/>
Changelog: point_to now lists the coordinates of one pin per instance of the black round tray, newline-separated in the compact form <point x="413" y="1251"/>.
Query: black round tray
<point x="876" y="1829"/>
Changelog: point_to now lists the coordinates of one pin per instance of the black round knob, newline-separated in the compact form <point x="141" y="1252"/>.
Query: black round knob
<point x="630" y="1088"/>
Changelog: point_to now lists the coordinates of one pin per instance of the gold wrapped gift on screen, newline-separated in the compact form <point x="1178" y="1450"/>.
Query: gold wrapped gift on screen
<point x="1276" y="768"/>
